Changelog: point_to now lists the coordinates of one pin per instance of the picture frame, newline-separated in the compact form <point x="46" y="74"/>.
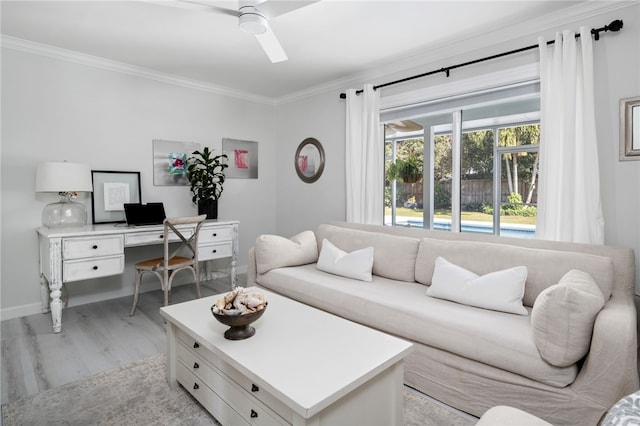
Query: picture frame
<point x="170" y="162"/>
<point x="111" y="189"/>
<point x="630" y="129"/>
<point x="242" y="158"/>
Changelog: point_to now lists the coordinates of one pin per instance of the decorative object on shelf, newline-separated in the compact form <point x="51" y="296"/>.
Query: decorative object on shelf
<point x="243" y="158"/>
<point x="238" y="309"/>
<point x="67" y="179"/>
<point x="111" y="190"/>
<point x="630" y="129"/>
<point x="170" y="162"/>
<point x="309" y="160"/>
<point x="206" y="176"/>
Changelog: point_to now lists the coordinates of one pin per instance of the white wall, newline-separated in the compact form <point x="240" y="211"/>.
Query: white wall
<point x="617" y="73"/>
<point x="54" y="110"/>
<point x="301" y="205"/>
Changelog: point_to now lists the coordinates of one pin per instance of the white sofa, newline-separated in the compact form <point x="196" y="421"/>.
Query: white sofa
<point x="556" y="361"/>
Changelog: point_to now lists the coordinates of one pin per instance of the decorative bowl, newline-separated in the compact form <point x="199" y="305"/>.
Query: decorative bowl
<point x="240" y="327"/>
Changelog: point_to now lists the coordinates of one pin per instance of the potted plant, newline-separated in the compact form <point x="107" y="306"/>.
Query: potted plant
<point x="206" y="176"/>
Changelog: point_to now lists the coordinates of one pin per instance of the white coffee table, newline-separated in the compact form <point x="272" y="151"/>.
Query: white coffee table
<point x="302" y="367"/>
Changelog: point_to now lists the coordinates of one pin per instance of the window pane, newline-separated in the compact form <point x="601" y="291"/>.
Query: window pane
<point x="442" y="169"/>
<point x="404" y="182"/>
<point x="519" y="196"/>
<point x="476" y="181"/>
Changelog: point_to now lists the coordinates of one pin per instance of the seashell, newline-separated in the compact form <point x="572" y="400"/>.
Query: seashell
<point x="253" y="301"/>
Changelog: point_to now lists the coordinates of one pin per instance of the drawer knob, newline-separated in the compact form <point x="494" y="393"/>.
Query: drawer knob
<point x="95" y="246"/>
<point x="215" y="251"/>
<point x="196" y="345"/>
<point x="254" y="387"/>
<point x="195" y="386"/>
<point x="215" y="235"/>
<point x="161" y="236"/>
<point x="254" y="414"/>
<point x="95" y="268"/>
<point x="196" y="365"/>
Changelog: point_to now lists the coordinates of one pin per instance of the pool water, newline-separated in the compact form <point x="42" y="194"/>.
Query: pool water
<point x="506" y="229"/>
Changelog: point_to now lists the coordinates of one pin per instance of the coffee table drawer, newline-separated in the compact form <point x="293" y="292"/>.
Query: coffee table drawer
<point x="251" y="409"/>
<point x="208" y="398"/>
<point x="187" y="345"/>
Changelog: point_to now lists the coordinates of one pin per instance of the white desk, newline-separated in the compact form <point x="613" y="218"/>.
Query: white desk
<point x="94" y="251"/>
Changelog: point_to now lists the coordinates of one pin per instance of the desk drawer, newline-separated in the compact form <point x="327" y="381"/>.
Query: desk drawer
<point x="76" y="270"/>
<point x="214" y="251"/>
<point x="215" y="234"/>
<point x="83" y="247"/>
<point x="152" y="237"/>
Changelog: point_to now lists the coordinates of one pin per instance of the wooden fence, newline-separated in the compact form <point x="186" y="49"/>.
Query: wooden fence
<point x="472" y="191"/>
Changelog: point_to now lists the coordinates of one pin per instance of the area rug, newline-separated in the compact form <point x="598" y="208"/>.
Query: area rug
<point x="138" y="394"/>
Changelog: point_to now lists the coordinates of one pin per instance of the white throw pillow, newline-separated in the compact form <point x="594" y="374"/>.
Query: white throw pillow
<point x="273" y="251"/>
<point x="499" y="291"/>
<point x="563" y="316"/>
<point x="357" y="264"/>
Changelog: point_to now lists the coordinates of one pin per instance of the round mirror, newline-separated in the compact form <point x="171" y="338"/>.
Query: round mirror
<point x="309" y="160"/>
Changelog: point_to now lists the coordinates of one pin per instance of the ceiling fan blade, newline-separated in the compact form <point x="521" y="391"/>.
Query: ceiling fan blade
<point x="202" y="4"/>
<point x="271" y="9"/>
<point x="271" y="46"/>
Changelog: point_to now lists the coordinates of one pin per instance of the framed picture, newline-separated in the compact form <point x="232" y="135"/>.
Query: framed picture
<point x="630" y="129"/>
<point x="242" y="158"/>
<point x="111" y="189"/>
<point x="170" y="162"/>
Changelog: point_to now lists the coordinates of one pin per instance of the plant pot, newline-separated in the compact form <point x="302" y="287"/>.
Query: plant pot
<point x="210" y="208"/>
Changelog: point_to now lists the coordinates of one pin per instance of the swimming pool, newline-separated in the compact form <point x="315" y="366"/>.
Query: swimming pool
<point x="506" y="229"/>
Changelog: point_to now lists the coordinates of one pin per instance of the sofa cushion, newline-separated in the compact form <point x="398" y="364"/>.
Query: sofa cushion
<point x="273" y="251"/>
<point x="403" y="309"/>
<point x="545" y="267"/>
<point x="356" y="265"/>
<point x="393" y="256"/>
<point x="562" y="318"/>
<point x="500" y="291"/>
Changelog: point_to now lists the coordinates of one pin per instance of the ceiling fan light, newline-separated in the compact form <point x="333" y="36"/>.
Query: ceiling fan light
<point x="253" y="23"/>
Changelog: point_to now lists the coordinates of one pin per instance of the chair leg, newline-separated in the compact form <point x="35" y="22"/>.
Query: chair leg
<point x="166" y="285"/>
<point x="196" y="276"/>
<point x="135" y="293"/>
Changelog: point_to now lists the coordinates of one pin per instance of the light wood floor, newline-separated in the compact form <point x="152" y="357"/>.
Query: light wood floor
<point x="95" y="337"/>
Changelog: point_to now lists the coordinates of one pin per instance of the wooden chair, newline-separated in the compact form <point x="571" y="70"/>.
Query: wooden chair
<point x="166" y="267"/>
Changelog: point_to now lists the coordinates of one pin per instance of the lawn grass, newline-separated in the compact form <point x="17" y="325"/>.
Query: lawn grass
<point x="474" y="216"/>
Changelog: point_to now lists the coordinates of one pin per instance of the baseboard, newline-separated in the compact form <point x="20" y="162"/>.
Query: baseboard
<point x="36" y="308"/>
<point x="20" y="311"/>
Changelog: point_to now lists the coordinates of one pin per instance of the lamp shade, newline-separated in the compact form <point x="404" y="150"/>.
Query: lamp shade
<point x="63" y="177"/>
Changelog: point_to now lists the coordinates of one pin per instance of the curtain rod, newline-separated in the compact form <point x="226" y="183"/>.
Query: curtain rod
<point x="613" y="26"/>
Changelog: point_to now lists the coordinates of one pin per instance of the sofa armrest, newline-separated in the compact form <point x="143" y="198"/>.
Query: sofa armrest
<point x="610" y="369"/>
<point x="252" y="273"/>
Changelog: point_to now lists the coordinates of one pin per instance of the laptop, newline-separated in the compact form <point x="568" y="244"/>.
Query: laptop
<point x="138" y="214"/>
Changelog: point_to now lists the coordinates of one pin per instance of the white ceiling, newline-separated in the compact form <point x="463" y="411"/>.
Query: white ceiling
<point x="327" y="41"/>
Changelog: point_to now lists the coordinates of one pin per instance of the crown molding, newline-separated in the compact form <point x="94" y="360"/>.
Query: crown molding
<point x="376" y="73"/>
<point x="41" y="49"/>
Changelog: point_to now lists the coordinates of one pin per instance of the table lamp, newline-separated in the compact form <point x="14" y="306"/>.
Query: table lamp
<point x="67" y="179"/>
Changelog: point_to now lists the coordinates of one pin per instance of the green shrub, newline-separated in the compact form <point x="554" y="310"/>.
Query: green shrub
<point x="441" y="197"/>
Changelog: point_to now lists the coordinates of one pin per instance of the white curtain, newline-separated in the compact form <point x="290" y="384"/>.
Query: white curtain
<point x="569" y="206"/>
<point x="364" y="157"/>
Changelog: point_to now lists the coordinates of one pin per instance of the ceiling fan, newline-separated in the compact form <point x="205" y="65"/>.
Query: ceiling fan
<point x="253" y="18"/>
